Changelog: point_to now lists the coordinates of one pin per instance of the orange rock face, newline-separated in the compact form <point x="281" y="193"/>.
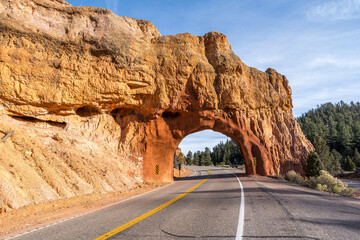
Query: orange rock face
<point x="62" y="64"/>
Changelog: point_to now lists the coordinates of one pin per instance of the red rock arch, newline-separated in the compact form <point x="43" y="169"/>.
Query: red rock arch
<point x="160" y="138"/>
<point x="158" y="88"/>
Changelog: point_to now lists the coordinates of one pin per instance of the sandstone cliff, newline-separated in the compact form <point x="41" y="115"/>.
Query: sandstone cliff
<point x="97" y="100"/>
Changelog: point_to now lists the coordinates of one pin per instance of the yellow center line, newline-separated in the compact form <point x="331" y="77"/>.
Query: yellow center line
<point x="148" y="214"/>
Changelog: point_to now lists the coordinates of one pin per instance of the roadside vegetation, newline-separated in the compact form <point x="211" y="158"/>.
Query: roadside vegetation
<point x="318" y="178"/>
<point x="334" y="130"/>
<point x="223" y="154"/>
<point x="325" y="182"/>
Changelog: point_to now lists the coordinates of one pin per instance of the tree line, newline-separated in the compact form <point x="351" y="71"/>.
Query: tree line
<point x="334" y="130"/>
<point x="227" y="153"/>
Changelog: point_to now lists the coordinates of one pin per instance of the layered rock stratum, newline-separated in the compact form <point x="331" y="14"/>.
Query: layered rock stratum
<point x="95" y="101"/>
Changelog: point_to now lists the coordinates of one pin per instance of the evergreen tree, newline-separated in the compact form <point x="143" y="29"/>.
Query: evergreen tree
<point x="207" y="157"/>
<point x="356" y="135"/>
<point x="313" y="165"/>
<point x="339" y="126"/>
<point x="335" y="166"/>
<point x="189" y="158"/>
<point x="196" y="160"/>
<point x="227" y="154"/>
<point x="344" y="137"/>
<point x="356" y="158"/>
<point x="337" y="156"/>
<point x="328" y="161"/>
<point x="202" y="159"/>
<point x="333" y="136"/>
<point x="349" y="165"/>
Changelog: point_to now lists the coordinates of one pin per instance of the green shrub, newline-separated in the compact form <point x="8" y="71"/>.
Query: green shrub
<point x="295" y="177"/>
<point x="321" y="188"/>
<point x="327" y="179"/>
<point x="347" y="192"/>
<point x="337" y="189"/>
<point x="325" y="182"/>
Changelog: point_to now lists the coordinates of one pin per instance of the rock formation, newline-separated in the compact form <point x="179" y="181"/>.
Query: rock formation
<point x="99" y="97"/>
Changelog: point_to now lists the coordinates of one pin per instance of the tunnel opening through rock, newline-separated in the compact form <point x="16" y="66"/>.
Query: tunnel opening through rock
<point x="209" y="148"/>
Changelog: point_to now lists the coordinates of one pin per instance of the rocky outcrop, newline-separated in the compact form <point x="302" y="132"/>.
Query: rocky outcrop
<point x="65" y="67"/>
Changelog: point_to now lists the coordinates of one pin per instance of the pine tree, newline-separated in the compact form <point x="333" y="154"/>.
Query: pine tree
<point x="335" y="166"/>
<point x="189" y="158"/>
<point x="349" y="165"/>
<point x="356" y="135"/>
<point x="337" y="156"/>
<point x="313" y="165"/>
<point x="338" y="125"/>
<point x="202" y="159"/>
<point x="196" y="160"/>
<point x="344" y="137"/>
<point x="207" y="157"/>
<point x="333" y="136"/>
<point x="356" y="158"/>
<point x="328" y="161"/>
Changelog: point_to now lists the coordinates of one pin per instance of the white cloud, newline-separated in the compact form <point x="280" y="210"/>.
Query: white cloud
<point x="311" y="97"/>
<point x="268" y="59"/>
<point x="335" y="10"/>
<point x="330" y="60"/>
<point x="112" y="6"/>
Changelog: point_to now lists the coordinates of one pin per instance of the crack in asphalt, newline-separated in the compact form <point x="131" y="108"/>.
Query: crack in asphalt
<point x="192" y="236"/>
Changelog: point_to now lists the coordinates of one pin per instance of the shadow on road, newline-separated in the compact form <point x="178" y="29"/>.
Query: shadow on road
<point x="215" y="173"/>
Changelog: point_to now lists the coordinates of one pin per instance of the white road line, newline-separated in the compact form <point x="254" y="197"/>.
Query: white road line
<point x="65" y="220"/>
<point x="240" y="227"/>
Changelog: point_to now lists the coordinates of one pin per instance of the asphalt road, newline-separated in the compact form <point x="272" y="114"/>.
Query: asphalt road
<point x="352" y="183"/>
<point x="273" y="210"/>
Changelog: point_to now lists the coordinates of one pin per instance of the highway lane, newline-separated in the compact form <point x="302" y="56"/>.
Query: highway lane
<point x="281" y="210"/>
<point x="273" y="210"/>
<point x="210" y="211"/>
<point x="352" y="183"/>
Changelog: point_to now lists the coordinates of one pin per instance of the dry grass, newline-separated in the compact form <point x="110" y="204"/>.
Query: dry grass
<point x="295" y="177"/>
<point x="325" y="182"/>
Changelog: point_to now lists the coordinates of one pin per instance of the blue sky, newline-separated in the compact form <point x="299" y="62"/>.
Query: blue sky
<point x="315" y="44"/>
